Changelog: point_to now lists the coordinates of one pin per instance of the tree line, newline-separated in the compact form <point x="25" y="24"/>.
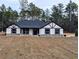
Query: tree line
<point x="59" y="14"/>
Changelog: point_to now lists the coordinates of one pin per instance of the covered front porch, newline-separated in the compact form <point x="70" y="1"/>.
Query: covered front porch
<point x="27" y="31"/>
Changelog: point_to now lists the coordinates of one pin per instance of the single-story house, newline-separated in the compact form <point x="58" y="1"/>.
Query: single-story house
<point x="34" y="27"/>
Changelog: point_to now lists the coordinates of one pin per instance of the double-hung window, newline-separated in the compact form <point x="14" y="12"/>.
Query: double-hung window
<point x="47" y="31"/>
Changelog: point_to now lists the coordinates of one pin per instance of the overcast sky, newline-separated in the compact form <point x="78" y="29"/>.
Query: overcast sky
<point x="44" y="4"/>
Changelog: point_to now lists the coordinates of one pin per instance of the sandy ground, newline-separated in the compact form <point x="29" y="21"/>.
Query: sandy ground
<point x="69" y="34"/>
<point x="24" y="47"/>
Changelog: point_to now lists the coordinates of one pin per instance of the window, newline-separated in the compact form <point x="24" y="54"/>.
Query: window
<point x="57" y="31"/>
<point x="47" y="31"/>
<point x="14" y="30"/>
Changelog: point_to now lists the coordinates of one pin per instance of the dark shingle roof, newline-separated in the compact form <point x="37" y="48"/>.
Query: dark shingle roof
<point x="31" y="23"/>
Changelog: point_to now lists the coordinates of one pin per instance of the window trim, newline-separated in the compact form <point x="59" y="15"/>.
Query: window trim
<point x="48" y="31"/>
<point x="12" y="30"/>
<point x="57" y="32"/>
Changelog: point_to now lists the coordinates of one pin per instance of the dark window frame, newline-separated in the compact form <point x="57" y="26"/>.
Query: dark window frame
<point x="47" y="31"/>
<point x="57" y="31"/>
<point x="13" y="30"/>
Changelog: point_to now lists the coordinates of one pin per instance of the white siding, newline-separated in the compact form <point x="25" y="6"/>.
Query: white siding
<point x="56" y="26"/>
<point x="41" y="31"/>
<point x="30" y="31"/>
<point x="52" y="31"/>
<point x="8" y="30"/>
<point x="61" y="32"/>
<point x="49" y="25"/>
<point x="52" y="27"/>
<point x="17" y="31"/>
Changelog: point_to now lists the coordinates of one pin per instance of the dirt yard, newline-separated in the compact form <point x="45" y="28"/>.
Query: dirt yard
<point x="23" y="47"/>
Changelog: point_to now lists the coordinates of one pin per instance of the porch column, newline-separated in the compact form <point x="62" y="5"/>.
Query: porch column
<point x="21" y="31"/>
<point x="18" y="31"/>
<point x="30" y="31"/>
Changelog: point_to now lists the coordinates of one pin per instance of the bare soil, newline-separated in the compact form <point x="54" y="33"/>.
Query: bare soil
<point x="27" y="47"/>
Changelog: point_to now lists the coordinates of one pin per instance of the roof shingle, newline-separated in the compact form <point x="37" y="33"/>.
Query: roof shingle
<point x="31" y="23"/>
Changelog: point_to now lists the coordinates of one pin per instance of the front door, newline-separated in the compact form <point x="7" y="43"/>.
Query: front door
<point x="25" y="31"/>
<point x="35" y="31"/>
